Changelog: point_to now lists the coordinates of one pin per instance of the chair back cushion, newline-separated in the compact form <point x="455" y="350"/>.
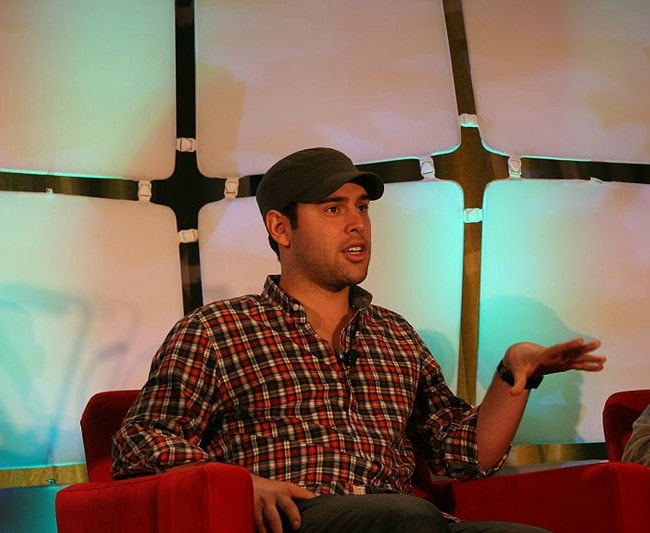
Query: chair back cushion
<point x="620" y="411"/>
<point x="101" y="418"/>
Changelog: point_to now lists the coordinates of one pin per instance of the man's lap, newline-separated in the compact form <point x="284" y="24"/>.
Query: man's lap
<point x="387" y="513"/>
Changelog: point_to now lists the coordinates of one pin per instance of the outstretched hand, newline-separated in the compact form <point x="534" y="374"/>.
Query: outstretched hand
<point x="527" y="359"/>
<point x="274" y="497"/>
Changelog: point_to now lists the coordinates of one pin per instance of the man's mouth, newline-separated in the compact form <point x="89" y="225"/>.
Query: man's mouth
<point x="353" y="250"/>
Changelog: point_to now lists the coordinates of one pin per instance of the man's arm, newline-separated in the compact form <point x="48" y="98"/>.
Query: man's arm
<point x="503" y="406"/>
<point x="164" y="426"/>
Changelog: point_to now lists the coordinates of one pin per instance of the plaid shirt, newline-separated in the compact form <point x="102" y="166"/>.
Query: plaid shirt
<point x="248" y="381"/>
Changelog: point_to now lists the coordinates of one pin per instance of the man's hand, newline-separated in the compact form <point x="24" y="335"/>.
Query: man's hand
<point x="271" y="498"/>
<point x="526" y="359"/>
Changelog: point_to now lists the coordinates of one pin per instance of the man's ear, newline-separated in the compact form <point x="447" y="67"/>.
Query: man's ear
<point x="279" y="227"/>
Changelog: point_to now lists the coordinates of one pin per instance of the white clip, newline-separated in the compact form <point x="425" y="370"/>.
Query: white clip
<point x="514" y="166"/>
<point x="188" y="235"/>
<point x="472" y="215"/>
<point x="185" y="144"/>
<point x="144" y="191"/>
<point x="427" y="167"/>
<point x="467" y="120"/>
<point x="231" y="188"/>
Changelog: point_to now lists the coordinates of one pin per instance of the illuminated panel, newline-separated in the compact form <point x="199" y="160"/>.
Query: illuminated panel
<point x="88" y="88"/>
<point x="416" y="268"/>
<point x="275" y="77"/>
<point x="562" y="78"/>
<point x="234" y="250"/>
<point x="564" y="259"/>
<point x="88" y="289"/>
<point x="417" y="263"/>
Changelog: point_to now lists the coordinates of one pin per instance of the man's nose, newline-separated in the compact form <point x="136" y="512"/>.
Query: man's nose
<point x="357" y="221"/>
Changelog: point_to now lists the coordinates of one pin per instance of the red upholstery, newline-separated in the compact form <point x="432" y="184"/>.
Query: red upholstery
<point x="620" y="412"/>
<point x="101" y="418"/>
<point x="600" y="498"/>
<point x="203" y="499"/>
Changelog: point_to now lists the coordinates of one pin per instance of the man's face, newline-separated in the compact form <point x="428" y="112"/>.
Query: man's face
<point x="331" y="244"/>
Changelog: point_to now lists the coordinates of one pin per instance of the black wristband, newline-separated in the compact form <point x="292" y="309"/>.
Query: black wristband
<point x="505" y="373"/>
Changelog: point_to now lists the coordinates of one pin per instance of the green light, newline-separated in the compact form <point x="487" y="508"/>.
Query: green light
<point x="59" y="174"/>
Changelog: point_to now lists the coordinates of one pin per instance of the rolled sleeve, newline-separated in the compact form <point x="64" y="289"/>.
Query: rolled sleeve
<point x="163" y="428"/>
<point x="443" y="427"/>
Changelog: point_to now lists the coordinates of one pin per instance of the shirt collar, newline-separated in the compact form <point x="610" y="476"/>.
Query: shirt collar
<point x="359" y="298"/>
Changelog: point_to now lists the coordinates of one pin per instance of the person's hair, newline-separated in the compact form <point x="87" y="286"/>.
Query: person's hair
<point x="291" y="212"/>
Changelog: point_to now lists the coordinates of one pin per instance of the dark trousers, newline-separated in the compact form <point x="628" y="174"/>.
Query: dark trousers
<point x="388" y="513"/>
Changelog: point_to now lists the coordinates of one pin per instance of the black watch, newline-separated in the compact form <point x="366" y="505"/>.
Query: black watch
<point x="505" y="373"/>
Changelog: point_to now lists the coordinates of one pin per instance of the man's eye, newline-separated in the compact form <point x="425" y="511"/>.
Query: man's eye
<point x="333" y="209"/>
<point x="364" y="208"/>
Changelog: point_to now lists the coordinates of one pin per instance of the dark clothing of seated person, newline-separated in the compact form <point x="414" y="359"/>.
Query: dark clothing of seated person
<point x="324" y="397"/>
<point x="637" y="449"/>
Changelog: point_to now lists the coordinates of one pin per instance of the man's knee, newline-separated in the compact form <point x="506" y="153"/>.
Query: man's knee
<point x="409" y="514"/>
<point x="377" y="513"/>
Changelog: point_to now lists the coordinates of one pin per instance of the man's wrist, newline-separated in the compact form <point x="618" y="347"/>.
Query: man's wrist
<point x="505" y="374"/>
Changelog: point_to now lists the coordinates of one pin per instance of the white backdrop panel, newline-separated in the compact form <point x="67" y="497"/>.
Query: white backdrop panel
<point x="234" y="250"/>
<point x="88" y="87"/>
<point x="563" y="259"/>
<point x="416" y="268"/>
<point x="274" y="77"/>
<point x="562" y="78"/>
<point x="88" y="290"/>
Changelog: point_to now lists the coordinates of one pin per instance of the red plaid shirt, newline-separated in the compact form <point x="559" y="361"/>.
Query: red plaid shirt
<point x="247" y="381"/>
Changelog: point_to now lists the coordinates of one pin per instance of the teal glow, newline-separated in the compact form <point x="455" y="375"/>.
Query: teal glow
<point x="59" y="174"/>
<point x="28" y="509"/>
<point x="563" y="259"/>
<point x="79" y="312"/>
<point x="554" y="158"/>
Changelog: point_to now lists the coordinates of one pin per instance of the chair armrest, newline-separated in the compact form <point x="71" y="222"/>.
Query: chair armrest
<point x="602" y="497"/>
<point x="210" y="497"/>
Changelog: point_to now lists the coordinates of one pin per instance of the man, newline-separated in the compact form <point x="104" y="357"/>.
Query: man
<point x="322" y="396"/>
<point x="637" y="449"/>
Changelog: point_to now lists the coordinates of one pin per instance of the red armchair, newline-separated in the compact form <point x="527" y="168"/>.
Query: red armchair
<point x="605" y="497"/>
<point x="620" y="411"/>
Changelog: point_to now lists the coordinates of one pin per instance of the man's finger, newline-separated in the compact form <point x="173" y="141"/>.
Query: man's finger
<point x="299" y="493"/>
<point x="273" y="521"/>
<point x="588" y="366"/>
<point x="259" y="520"/>
<point x="290" y="510"/>
<point x="267" y="517"/>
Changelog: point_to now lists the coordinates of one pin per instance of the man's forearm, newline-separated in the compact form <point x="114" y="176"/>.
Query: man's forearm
<point x="498" y="419"/>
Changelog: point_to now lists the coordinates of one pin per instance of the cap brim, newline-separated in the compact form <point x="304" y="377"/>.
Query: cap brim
<point x="371" y="182"/>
